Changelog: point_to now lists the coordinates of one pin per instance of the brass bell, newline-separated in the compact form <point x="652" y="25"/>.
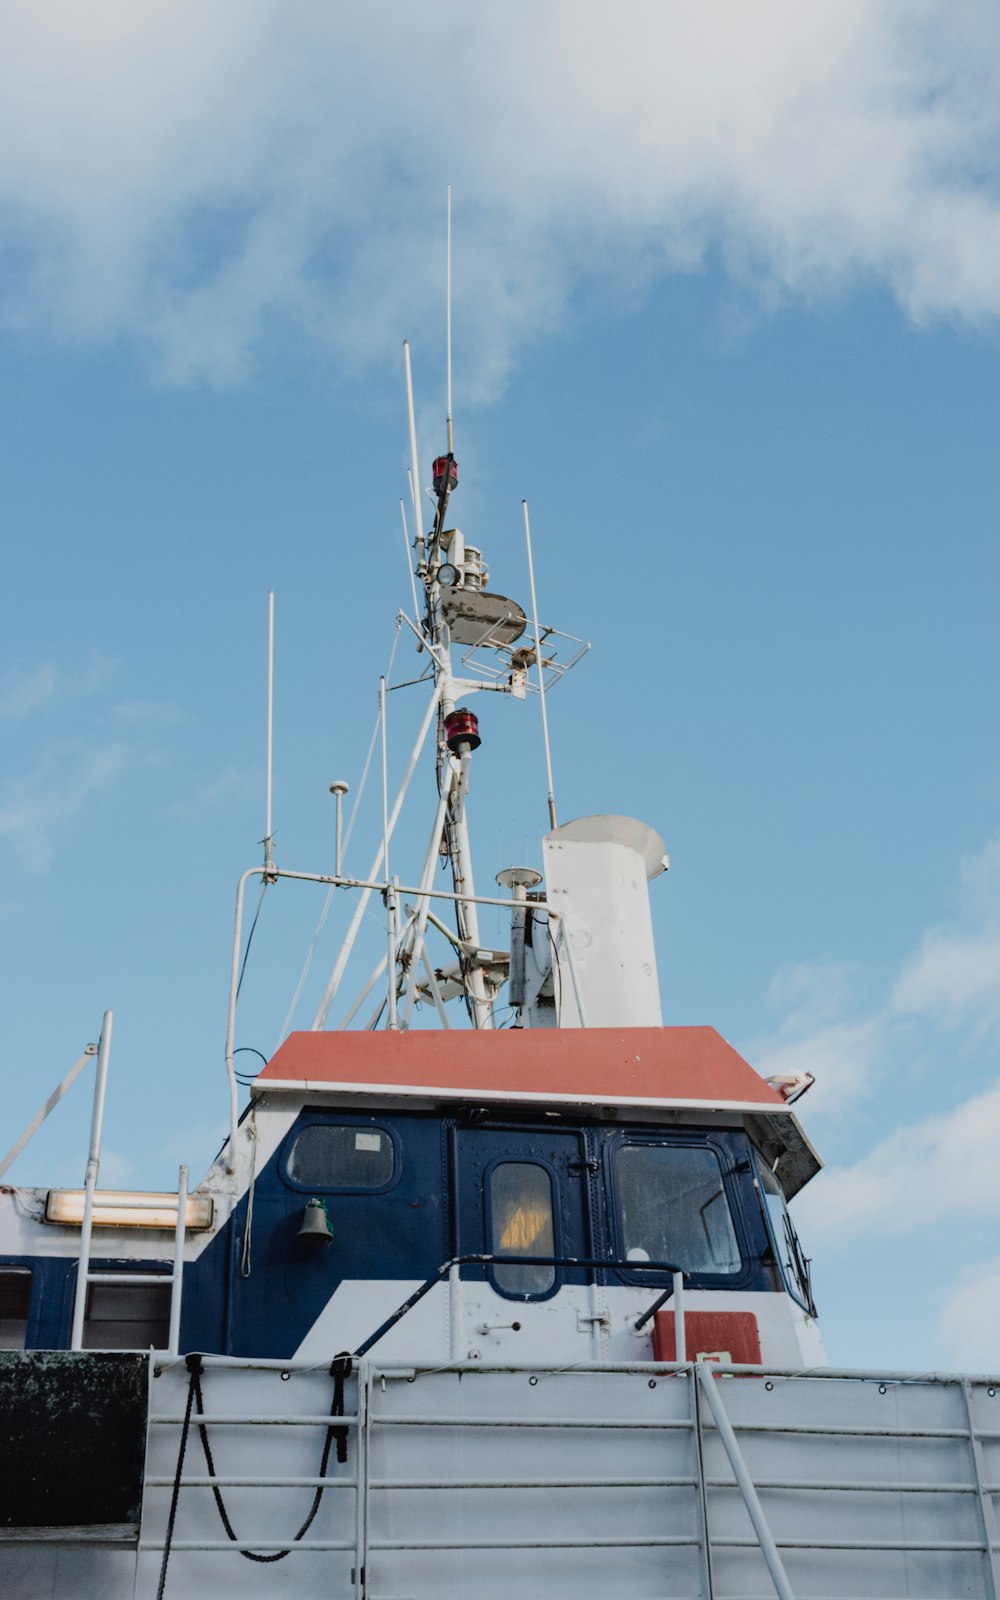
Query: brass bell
<point x="316" y="1223"/>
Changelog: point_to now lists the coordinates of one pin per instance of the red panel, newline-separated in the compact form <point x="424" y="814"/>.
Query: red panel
<point x="600" y="1065"/>
<point x="705" y="1331"/>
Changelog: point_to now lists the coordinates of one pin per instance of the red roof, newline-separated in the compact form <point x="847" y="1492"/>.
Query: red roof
<point x="603" y="1066"/>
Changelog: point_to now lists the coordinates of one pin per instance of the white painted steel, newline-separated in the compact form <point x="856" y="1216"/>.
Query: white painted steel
<point x="448" y="326"/>
<point x="333" y="984"/>
<point x="50" y="1105"/>
<point x="392" y="919"/>
<point x="481" y="1482"/>
<point x="409" y="567"/>
<point x="597" y="884"/>
<point x="680" y="1332"/>
<point x="177" y="1278"/>
<point x="270" y="727"/>
<point x="90" y="1182"/>
<point x="414" y="457"/>
<point x="765" y="1538"/>
<point x="541" y="670"/>
<point x="423" y="902"/>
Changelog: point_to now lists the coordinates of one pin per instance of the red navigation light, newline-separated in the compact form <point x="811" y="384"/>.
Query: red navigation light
<point x="462" y="727"/>
<point x="445" y="469"/>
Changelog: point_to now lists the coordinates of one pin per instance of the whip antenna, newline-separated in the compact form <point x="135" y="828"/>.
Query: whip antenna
<point x="541" y="670"/>
<point x="270" y="728"/>
<point x="448" y="326"/>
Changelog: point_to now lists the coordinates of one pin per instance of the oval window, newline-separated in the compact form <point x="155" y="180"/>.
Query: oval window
<point x="521" y="1224"/>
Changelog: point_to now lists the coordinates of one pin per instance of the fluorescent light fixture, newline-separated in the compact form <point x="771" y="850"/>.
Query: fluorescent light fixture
<point x="124" y="1208"/>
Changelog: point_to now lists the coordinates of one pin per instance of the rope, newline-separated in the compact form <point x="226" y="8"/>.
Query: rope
<point x="193" y="1363"/>
<point x="245" y="1259"/>
<point x="340" y="1368"/>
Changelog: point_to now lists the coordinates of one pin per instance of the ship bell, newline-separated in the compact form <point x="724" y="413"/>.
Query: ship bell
<point x="316" y="1223"/>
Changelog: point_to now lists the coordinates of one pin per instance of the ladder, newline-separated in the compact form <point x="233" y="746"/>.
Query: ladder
<point x="85" y="1276"/>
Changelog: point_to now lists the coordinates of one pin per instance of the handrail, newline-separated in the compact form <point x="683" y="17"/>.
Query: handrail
<point x="480" y="1260"/>
<point x="332" y="880"/>
<point x="755" y="1510"/>
<point x="50" y="1105"/>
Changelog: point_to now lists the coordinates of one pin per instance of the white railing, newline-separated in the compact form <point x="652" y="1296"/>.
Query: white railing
<point x="85" y="1277"/>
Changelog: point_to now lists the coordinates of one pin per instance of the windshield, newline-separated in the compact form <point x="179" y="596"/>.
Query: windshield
<point x="794" y="1266"/>
<point x="674" y="1208"/>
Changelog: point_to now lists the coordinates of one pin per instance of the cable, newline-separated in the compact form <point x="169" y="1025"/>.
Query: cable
<point x="253" y="926"/>
<point x="248" y="1049"/>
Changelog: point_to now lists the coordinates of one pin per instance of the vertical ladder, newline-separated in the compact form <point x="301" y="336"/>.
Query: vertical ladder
<point x="85" y="1277"/>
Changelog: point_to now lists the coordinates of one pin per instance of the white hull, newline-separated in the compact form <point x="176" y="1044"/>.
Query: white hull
<point x="484" y="1483"/>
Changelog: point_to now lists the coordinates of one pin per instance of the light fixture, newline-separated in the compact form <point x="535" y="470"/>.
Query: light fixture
<point x="125" y="1208"/>
<point x="448" y="575"/>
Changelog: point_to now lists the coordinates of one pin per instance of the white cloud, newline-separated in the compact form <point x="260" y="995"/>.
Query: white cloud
<point x="943" y="1166"/>
<point x="971" y="1316"/>
<point x="26" y="691"/>
<point x="232" y="783"/>
<point x="187" y="174"/>
<point x="954" y="977"/>
<point x="951" y="978"/>
<point x="817" y="1034"/>
<point x="35" y="806"/>
<point x="147" y="713"/>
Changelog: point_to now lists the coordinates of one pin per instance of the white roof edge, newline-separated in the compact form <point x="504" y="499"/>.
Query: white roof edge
<point x="437" y="1091"/>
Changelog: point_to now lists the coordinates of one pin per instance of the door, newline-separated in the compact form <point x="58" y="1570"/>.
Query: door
<point x="522" y="1191"/>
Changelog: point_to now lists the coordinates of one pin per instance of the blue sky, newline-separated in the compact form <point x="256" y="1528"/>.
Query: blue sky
<point x="726" y="297"/>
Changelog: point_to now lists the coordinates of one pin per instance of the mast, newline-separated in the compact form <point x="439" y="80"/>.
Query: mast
<point x="441" y="567"/>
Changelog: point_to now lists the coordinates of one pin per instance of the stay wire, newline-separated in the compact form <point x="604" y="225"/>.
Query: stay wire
<point x="328" y="902"/>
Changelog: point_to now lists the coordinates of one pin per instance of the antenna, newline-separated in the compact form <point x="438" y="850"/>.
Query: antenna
<point x="270" y="726"/>
<point x="448" y="326"/>
<point x="414" y="458"/>
<point x="409" y="565"/>
<point x="541" y="670"/>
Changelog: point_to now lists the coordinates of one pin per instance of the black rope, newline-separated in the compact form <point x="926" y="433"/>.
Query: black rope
<point x="172" y="1518"/>
<point x="340" y="1368"/>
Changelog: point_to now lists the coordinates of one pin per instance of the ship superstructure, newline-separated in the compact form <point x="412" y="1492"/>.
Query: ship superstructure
<point x="511" y="1305"/>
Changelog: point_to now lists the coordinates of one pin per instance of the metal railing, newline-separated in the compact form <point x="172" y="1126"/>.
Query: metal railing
<point x="85" y="1277"/>
<point x="707" y="1417"/>
<point x="451" y="1270"/>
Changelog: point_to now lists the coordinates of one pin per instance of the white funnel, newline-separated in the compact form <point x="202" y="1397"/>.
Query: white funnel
<point x="596" y="873"/>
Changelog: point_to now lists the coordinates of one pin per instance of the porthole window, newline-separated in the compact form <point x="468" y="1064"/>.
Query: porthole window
<point x="329" y="1155"/>
<point x="521" y="1224"/>
<point x="673" y="1207"/>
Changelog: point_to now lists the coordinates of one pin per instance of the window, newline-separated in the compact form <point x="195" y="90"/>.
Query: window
<point x="15" y="1297"/>
<point x="794" y="1266"/>
<point x="125" y="1316"/>
<point x="521" y="1224"/>
<point x="328" y="1155"/>
<point x="674" y="1208"/>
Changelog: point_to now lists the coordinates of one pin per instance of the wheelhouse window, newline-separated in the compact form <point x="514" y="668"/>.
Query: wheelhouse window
<point x="15" y="1298"/>
<point x="329" y="1155"/>
<point x="794" y="1266"/>
<point x="521" y="1224"/>
<point x="127" y="1316"/>
<point x="673" y="1207"/>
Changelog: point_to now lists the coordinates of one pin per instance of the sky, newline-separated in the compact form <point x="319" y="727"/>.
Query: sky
<point x="726" y="300"/>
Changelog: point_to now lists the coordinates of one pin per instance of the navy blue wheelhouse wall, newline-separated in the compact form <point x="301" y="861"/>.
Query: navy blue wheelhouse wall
<point x="406" y="1228"/>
